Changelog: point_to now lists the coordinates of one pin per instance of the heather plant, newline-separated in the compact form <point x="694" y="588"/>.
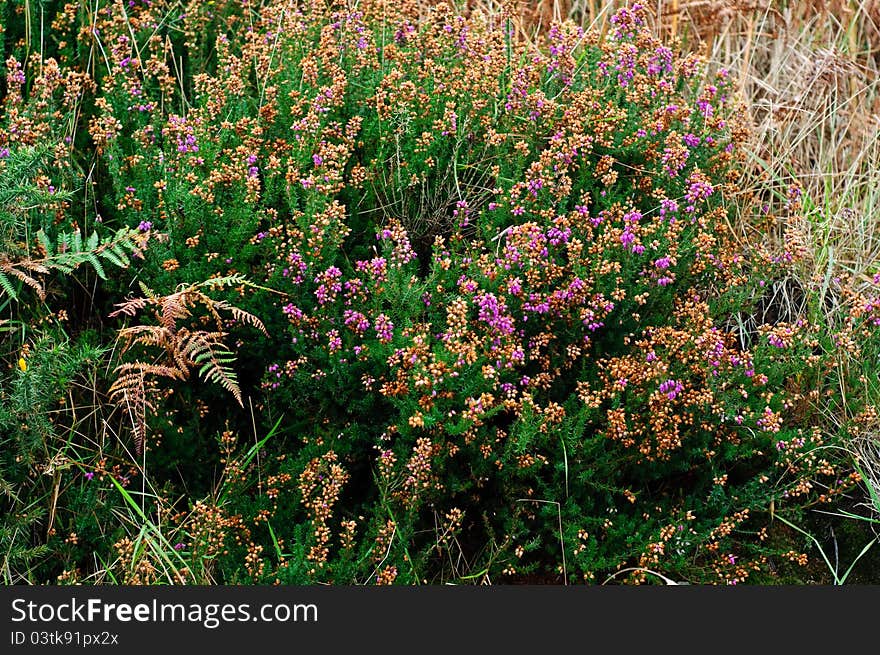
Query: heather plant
<point x="505" y="331"/>
<point x="518" y="347"/>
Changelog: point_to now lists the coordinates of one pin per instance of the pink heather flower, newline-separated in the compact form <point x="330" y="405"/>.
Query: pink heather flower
<point x="329" y="285"/>
<point x="384" y="328"/>
<point x="493" y="312"/>
<point x="356" y="321"/>
<point x="668" y="207"/>
<point x="671" y="388"/>
<point x="462" y="212"/>
<point x="660" y="62"/>
<point x="535" y="185"/>
<point x="334" y="341"/>
<point x="297" y="266"/>
<point x="557" y="237"/>
<point x="187" y="144"/>
<point x="376" y="268"/>
<point x="292" y="312"/>
<point x="769" y="422"/>
<point x="90" y="475"/>
<point x="662" y="262"/>
<point x="699" y="189"/>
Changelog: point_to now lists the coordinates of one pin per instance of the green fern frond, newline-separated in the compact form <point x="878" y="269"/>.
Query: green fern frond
<point x="6" y="286"/>
<point x="68" y="253"/>
<point x="27" y="280"/>
<point x="217" y="369"/>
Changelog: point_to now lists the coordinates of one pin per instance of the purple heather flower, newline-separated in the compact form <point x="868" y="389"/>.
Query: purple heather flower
<point x="671" y="388"/>
<point x="384" y="328"/>
<point x="776" y="341"/>
<point x="691" y="140"/>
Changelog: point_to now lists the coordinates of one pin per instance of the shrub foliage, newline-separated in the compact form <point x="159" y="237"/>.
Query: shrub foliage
<point x="480" y="299"/>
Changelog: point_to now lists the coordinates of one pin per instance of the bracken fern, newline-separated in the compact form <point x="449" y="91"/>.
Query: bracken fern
<point x="181" y="348"/>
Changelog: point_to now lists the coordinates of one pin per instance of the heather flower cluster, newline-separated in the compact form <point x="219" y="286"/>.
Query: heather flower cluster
<point x="498" y="284"/>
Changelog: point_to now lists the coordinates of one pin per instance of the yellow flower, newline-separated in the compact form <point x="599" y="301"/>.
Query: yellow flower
<point x="22" y="363"/>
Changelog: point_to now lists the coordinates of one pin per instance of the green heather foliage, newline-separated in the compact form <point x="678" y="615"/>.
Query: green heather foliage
<point x="503" y="332"/>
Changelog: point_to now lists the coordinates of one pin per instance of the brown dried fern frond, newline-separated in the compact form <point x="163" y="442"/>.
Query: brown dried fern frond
<point x="32" y="282"/>
<point x="130" y="307"/>
<point x="242" y="316"/>
<point x="136" y="391"/>
<point x="181" y="348"/>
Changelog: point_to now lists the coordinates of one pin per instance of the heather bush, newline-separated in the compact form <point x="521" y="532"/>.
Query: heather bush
<point x="505" y="333"/>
